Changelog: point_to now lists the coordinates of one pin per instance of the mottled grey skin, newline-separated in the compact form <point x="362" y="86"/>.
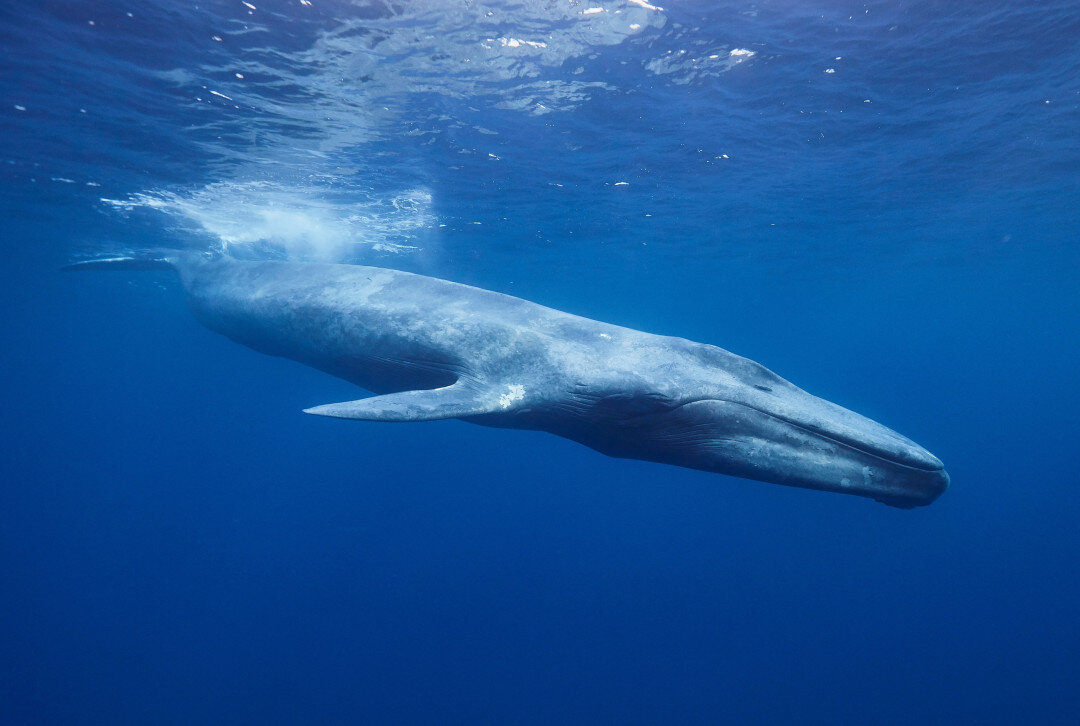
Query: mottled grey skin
<point x="434" y="349"/>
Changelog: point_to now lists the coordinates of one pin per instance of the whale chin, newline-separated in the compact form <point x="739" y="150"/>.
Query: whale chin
<point x="933" y="487"/>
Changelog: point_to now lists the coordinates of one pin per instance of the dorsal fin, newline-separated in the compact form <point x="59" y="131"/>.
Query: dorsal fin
<point x="456" y="401"/>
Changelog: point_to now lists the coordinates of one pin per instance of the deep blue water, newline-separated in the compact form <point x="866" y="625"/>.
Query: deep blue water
<point x="878" y="200"/>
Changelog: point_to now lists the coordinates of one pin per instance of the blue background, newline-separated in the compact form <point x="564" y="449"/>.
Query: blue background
<point x="178" y="544"/>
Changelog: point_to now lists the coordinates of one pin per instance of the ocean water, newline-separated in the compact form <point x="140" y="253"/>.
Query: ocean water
<point x="878" y="200"/>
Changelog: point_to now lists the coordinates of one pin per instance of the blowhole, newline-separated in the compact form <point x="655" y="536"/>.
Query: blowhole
<point x="763" y="388"/>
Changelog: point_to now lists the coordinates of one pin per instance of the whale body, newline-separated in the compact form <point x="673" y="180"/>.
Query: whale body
<point x="433" y="349"/>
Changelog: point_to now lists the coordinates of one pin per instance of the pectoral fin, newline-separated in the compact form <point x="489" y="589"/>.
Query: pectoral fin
<point x="433" y="404"/>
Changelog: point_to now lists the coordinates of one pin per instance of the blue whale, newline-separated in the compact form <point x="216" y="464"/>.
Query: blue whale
<point x="432" y="349"/>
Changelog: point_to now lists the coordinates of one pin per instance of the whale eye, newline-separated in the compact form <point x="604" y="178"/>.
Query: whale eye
<point x="763" y="388"/>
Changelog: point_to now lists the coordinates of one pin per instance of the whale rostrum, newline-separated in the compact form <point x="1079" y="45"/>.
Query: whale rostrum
<point x="433" y="349"/>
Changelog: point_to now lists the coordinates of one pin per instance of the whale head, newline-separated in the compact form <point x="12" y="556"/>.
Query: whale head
<point x="734" y="416"/>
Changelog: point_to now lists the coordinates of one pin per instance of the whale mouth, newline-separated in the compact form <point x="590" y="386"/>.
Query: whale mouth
<point x="905" y="454"/>
<point x="878" y="442"/>
<point x="853" y="454"/>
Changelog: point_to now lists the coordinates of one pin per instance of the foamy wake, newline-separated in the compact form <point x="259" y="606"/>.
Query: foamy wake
<point x="293" y="222"/>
